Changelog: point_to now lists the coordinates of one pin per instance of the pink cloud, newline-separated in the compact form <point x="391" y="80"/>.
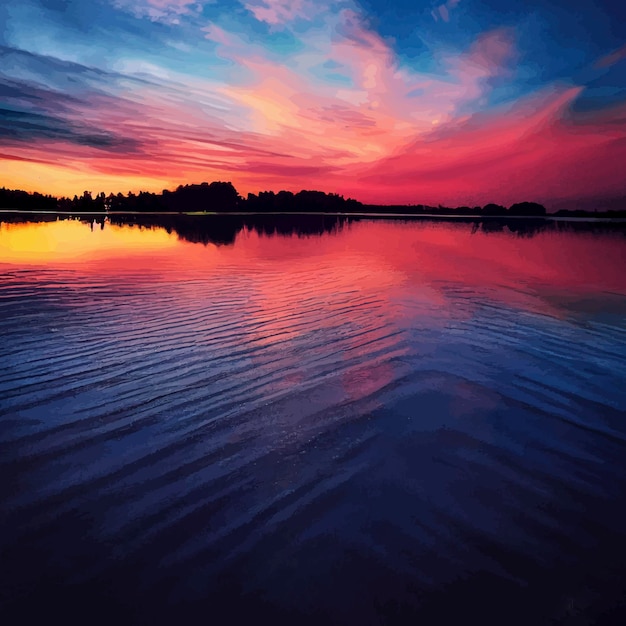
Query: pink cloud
<point x="532" y="150"/>
<point x="283" y="11"/>
<point x="285" y="108"/>
<point x="278" y="124"/>
<point x="443" y="10"/>
<point x="215" y="33"/>
<point x="491" y="52"/>
<point x="614" y="57"/>
<point x="384" y="133"/>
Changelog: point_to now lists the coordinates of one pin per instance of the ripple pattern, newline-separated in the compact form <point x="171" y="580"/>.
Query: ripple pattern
<point x="324" y="441"/>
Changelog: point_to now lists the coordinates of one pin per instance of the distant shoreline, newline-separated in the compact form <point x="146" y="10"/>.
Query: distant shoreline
<point x="362" y="214"/>
<point x="221" y="198"/>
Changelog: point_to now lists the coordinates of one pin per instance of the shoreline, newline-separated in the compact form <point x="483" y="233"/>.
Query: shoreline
<point x="361" y="214"/>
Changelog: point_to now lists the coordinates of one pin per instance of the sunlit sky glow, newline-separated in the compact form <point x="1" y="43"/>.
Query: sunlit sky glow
<point x="415" y="101"/>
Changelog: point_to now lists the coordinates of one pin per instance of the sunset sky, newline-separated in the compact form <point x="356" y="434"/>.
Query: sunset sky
<point x="412" y="101"/>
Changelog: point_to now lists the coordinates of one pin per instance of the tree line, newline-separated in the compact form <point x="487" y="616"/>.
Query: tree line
<point x="222" y="197"/>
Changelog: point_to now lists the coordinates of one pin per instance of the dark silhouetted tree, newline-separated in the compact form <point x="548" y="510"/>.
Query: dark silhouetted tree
<point x="527" y="209"/>
<point x="493" y="209"/>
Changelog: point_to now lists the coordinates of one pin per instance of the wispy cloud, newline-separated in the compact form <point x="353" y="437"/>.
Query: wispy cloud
<point x="322" y="101"/>
<point x="533" y="148"/>
<point x="365" y="116"/>
<point x="614" y="57"/>
<point x="159" y="10"/>
<point x="273" y="123"/>
<point x="284" y="11"/>
<point x="442" y="11"/>
<point x="24" y="126"/>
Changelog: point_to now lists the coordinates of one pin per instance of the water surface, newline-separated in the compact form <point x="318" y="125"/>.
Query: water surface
<point x="312" y="420"/>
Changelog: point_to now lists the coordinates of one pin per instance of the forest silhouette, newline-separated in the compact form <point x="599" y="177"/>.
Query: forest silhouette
<point x="222" y="197"/>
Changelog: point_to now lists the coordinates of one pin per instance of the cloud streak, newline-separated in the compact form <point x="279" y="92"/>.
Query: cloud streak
<point x="614" y="57"/>
<point x="442" y="11"/>
<point x="529" y="149"/>
<point x="320" y="99"/>
<point x="168" y="11"/>
<point x="277" y="12"/>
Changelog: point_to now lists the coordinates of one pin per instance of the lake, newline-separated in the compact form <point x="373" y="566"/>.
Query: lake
<point x="312" y="420"/>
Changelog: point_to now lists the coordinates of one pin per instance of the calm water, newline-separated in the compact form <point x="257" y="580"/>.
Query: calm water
<point x="312" y="421"/>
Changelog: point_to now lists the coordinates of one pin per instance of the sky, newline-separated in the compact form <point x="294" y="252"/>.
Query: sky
<point x="455" y="102"/>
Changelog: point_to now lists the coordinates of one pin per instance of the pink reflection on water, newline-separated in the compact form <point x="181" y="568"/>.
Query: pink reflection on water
<point x="389" y="261"/>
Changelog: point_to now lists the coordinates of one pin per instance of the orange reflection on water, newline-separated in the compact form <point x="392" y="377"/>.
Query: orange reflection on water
<point x="70" y="241"/>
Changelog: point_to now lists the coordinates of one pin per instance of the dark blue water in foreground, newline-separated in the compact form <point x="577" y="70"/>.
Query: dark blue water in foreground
<point x="357" y="423"/>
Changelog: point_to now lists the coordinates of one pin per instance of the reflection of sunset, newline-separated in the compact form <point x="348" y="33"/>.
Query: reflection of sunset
<point x="289" y="281"/>
<point x="289" y="360"/>
<point x="415" y="263"/>
<point x="449" y="252"/>
<point x="311" y="376"/>
<point x="69" y="240"/>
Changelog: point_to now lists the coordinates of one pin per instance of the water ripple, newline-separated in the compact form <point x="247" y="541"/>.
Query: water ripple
<point x="341" y="420"/>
